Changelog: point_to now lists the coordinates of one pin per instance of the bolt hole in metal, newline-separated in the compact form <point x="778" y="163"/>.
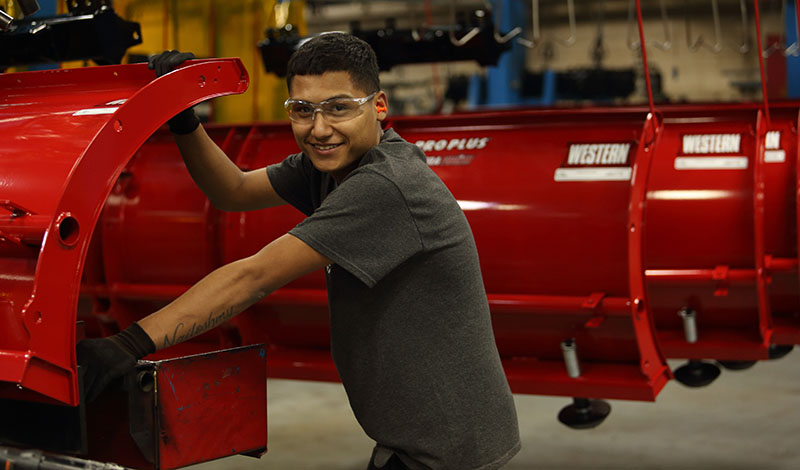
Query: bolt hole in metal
<point x="146" y="381"/>
<point x="68" y="229"/>
<point x="201" y="82"/>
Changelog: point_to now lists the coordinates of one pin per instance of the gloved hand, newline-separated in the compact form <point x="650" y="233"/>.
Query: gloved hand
<point x="106" y="359"/>
<point x="167" y="61"/>
<point x="186" y="121"/>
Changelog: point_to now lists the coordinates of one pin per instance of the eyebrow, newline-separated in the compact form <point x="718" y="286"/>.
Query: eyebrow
<point x="335" y="97"/>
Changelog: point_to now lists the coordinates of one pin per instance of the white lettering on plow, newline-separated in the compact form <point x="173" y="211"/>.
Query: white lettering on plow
<point x="469" y="143"/>
<point x="773" y="140"/>
<point x="598" y="154"/>
<point x="711" y="143"/>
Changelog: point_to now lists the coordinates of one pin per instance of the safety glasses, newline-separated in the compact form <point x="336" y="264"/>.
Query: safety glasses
<point x="334" y="109"/>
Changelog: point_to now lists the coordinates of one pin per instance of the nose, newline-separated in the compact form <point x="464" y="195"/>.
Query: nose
<point x="320" y="128"/>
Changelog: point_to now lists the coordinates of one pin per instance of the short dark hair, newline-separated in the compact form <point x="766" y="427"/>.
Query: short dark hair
<point x="336" y="52"/>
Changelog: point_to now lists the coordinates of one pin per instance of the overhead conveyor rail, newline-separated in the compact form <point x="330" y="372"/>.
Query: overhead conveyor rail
<point x="67" y="136"/>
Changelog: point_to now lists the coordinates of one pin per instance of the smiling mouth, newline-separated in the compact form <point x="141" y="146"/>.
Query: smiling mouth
<point x="325" y="147"/>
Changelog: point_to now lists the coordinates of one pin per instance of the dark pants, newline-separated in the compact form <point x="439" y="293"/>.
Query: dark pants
<point x="394" y="463"/>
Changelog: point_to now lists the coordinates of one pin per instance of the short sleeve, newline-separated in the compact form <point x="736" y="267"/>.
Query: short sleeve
<point x="293" y="179"/>
<point x="364" y="226"/>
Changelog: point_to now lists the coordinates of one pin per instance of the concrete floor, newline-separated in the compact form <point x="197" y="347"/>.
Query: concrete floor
<point x="745" y="420"/>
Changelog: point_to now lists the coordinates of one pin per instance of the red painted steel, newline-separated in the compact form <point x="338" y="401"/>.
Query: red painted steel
<point x="559" y="257"/>
<point x="723" y="241"/>
<point x="537" y="301"/>
<point x="183" y="411"/>
<point x="67" y="135"/>
<point x="572" y="245"/>
<point x="796" y="198"/>
<point x="211" y="406"/>
<point x="641" y="312"/>
<point x="759" y="194"/>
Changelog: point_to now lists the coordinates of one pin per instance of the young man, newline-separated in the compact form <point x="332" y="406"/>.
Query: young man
<point x="410" y="329"/>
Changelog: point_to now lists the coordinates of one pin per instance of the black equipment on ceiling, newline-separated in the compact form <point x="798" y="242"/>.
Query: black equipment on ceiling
<point x="90" y="31"/>
<point x="473" y="39"/>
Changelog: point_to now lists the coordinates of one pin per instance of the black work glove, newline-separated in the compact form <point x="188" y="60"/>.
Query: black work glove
<point x="186" y="121"/>
<point x="106" y="359"/>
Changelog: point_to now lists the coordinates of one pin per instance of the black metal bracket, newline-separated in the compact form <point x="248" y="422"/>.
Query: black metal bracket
<point x="98" y="35"/>
<point x="471" y="39"/>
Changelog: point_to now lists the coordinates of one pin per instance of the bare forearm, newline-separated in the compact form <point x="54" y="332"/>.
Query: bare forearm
<point x="230" y="289"/>
<point x="226" y="186"/>
<point x="213" y="172"/>
<point x="214" y="300"/>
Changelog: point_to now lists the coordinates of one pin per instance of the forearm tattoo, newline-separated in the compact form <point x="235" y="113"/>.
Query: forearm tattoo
<point x="182" y="333"/>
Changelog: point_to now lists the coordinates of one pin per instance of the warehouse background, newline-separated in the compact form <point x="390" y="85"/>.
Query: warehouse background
<point x="696" y="54"/>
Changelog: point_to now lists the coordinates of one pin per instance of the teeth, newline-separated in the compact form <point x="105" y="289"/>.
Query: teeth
<point x="326" y="147"/>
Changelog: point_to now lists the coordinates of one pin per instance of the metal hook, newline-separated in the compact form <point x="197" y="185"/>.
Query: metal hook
<point x="744" y="46"/>
<point x="572" y="38"/>
<point x="467" y="37"/>
<point x="415" y="36"/>
<point x="700" y="41"/>
<point x="598" y="51"/>
<point x="536" y="33"/>
<point x="534" y="42"/>
<point x="511" y="34"/>
<point x="664" y="45"/>
<point x="793" y="49"/>
<point x="776" y="46"/>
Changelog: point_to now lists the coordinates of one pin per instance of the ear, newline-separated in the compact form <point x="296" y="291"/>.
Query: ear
<point x="381" y="105"/>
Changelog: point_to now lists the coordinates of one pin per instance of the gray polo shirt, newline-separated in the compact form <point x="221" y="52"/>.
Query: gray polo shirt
<point x="411" y="334"/>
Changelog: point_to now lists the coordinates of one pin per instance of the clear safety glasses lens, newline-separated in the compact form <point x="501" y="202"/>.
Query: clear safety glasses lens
<point x="334" y="110"/>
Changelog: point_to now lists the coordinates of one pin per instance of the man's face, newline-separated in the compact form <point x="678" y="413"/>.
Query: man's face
<point x="336" y="148"/>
